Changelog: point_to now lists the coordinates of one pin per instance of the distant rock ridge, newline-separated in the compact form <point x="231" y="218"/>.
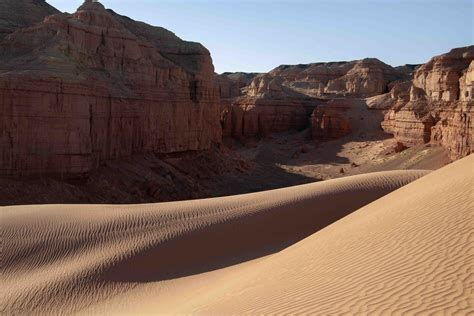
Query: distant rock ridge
<point x="285" y="98"/>
<point x="359" y="78"/>
<point x="425" y="103"/>
<point x="77" y="90"/>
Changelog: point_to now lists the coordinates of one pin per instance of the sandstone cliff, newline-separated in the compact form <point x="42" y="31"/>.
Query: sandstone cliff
<point x="266" y="107"/>
<point x="437" y="106"/>
<point x="359" y="78"/>
<point x="285" y="98"/>
<point x="76" y="90"/>
<point x="331" y="121"/>
<point x="231" y="83"/>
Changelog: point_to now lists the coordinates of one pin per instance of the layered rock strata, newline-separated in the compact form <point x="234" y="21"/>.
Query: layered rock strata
<point x="360" y="78"/>
<point x="267" y="107"/>
<point x="331" y="121"/>
<point x="437" y="106"/>
<point x="76" y="90"/>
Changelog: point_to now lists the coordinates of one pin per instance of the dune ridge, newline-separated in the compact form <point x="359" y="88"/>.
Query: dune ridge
<point x="63" y="258"/>
<point x="409" y="253"/>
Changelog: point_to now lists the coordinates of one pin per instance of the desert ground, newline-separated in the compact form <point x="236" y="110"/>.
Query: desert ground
<point x="381" y="243"/>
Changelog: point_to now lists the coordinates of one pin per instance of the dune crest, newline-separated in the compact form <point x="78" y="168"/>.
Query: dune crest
<point x="410" y="252"/>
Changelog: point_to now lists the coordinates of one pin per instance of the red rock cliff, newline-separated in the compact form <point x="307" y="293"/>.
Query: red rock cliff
<point x="440" y="105"/>
<point x="266" y="107"/>
<point x="76" y="90"/>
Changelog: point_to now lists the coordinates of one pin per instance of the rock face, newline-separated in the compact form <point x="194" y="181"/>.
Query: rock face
<point x="16" y="14"/>
<point x="360" y="78"/>
<point x="267" y="107"/>
<point x="330" y="121"/>
<point x="231" y="84"/>
<point x="285" y="98"/>
<point x="440" y="77"/>
<point x="410" y="125"/>
<point x="466" y="84"/>
<point x="437" y="106"/>
<point x="76" y="90"/>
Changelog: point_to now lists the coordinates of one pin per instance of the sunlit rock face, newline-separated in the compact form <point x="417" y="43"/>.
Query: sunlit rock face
<point x="80" y="89"/>
<point x="359" y="78"/>
<point x="440" y="106"/>
<point x="284" y="99"/>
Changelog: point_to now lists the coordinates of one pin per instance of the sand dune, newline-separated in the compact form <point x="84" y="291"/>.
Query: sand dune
<point x="406" y="251"/>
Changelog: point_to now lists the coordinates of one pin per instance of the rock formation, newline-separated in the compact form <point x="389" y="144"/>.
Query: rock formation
<point x="360" y="78"/>
<point x="330" y="121"/>
<point x="266" y="107"/>
<point x="437" y="106"/>
<point x="230" y="84"/>
<point x="285" y="98"/>
<point x="16" y="14"/>
<point x="77" y="90"/>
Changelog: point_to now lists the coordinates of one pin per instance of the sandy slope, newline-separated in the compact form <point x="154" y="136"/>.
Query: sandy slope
<point x="65" y="258"/>
<point x="410" y="252"/>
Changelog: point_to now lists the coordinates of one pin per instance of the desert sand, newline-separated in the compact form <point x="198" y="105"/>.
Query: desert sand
<point x="400" y="247"/>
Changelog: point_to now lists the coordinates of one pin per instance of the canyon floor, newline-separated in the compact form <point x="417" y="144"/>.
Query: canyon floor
<point x="277" y="161"/>
<point x="380" y="243"/>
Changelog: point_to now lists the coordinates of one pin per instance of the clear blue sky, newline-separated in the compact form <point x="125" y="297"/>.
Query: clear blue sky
<point x="258" y="35"/>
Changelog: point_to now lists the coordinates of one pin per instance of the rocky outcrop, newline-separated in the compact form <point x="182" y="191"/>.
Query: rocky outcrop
<point x="437" y="106"/>
<point x="410" y="125"/>
<point x="454" y="128"/>
<point x="408" y="69"/>
<point x="267" y="107"/>
<point x="231" y="83"/>
<point x="440" y="77"/>
<point x="77" y="90"/>
<point x="360" y="78"/>
<point x="16" y="14"/>
<point x="466" y="84"/>
<point x="331" y="121"/>
<point x="285" y="98"/>
<point x="368" y="77"/>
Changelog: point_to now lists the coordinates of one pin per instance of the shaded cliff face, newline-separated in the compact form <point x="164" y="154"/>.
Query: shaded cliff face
<point x="76" y="90"/>
<point x="437" y="106"/>
<point x="331" y="121"/>
<point x="16" y="14"/>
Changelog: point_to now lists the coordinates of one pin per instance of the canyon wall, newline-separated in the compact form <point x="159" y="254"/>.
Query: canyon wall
<point x="76" y="90"/>
<point x="331" y="121"/>
<point x="359" y="78"/>
<point x="440" y="106"/>
<point x="284" y="99"/>
<point x="265" y="107"/>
